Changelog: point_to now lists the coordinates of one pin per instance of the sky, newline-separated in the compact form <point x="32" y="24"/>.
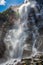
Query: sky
<point x="4" y="4"/>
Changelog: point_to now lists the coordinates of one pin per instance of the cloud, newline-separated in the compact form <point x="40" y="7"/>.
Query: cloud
<point x="2" y="2"/>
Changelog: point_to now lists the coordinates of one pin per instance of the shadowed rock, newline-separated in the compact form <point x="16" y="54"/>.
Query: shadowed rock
<point x="2" y="49"/>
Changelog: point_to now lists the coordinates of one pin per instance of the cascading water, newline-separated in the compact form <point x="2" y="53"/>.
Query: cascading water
<point x="24" y="12"/>
<point x="15" y="38"/>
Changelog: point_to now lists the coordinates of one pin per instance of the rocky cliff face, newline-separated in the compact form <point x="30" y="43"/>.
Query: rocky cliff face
<point x="7" y="19"/>
<point x="35" y="23"/>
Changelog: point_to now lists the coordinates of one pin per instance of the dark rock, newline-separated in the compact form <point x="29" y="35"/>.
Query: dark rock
<point x="2" y="49"/>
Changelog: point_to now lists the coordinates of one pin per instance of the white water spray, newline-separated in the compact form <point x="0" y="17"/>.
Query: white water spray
<point x="15" y="38"/>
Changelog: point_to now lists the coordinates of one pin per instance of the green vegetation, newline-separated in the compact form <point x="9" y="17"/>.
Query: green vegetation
<point x="7" y="16"/>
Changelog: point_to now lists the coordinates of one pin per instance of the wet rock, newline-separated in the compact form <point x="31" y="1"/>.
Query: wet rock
<point x="41" y="30"/>
<point x="2" y="49"/>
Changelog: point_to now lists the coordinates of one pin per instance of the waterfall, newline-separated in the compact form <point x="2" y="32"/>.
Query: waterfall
<point x="24" y="12"/>
<point x="15" y="38"/>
